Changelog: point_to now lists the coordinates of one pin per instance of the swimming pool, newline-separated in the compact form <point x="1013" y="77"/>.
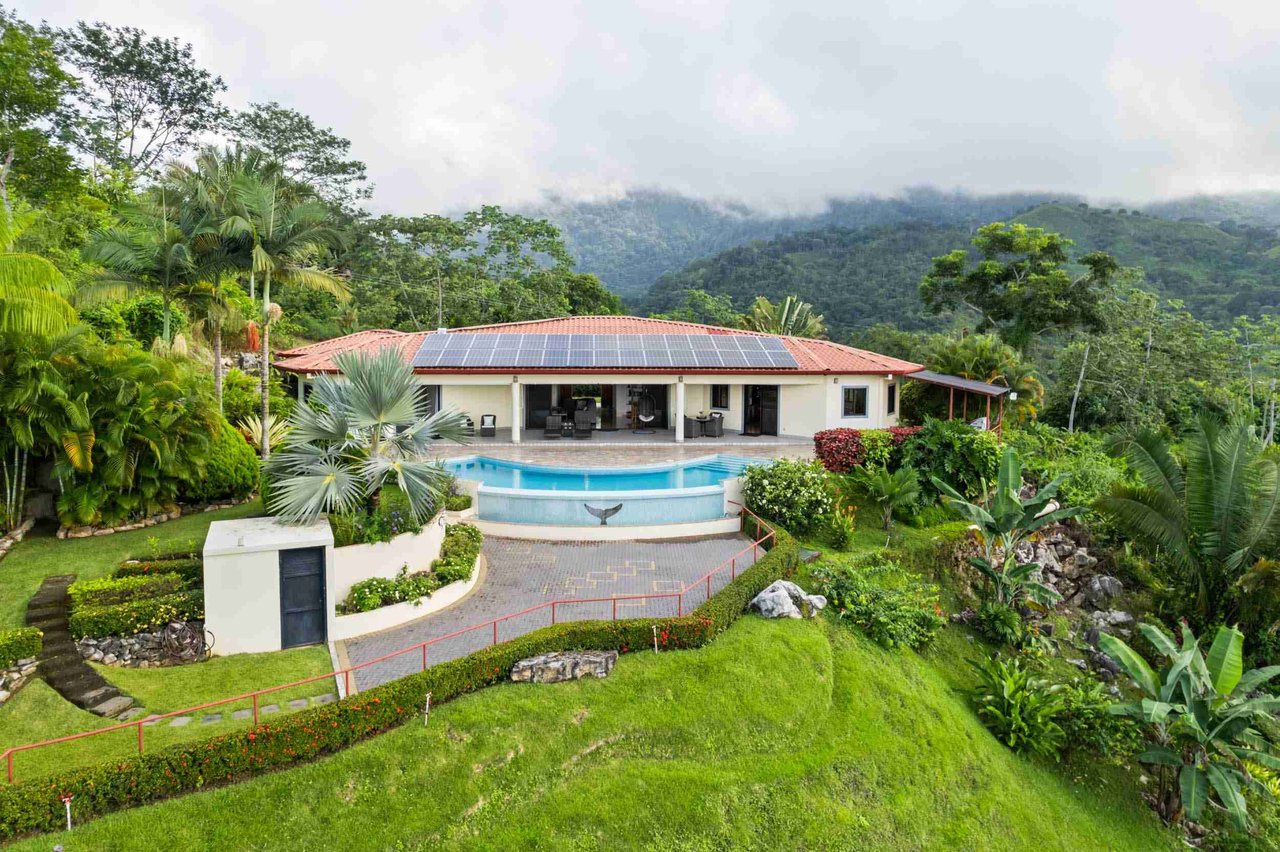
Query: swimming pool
<point x="519" y="492"/>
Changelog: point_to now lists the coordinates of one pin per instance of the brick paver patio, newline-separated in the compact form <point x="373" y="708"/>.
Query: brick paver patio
<point x="522" y="574"/>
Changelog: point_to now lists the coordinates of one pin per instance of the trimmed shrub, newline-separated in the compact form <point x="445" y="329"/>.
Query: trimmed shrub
<point x="393" y="516"/>
<point x="954" y="452"/>
<point x="189" y="568"/>
<point x="793" y="493"/>
<point x="106" y="591"/>
<point x="230" y="472"/>
<point x="34" y="806"/>
<point x="136" y="616"/>
<point x="19" y="643"/>
<point x="457" y="560"/>
<point x="457" y="502"/>
<point x="842" y="450"/>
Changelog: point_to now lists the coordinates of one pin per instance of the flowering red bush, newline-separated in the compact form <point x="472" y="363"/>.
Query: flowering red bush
<point x="841" y="450"/>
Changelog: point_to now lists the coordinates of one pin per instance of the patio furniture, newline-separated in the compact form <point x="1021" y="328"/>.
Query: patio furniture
<point x="645" y="414"/>
<point x="488" y="426"/>
<point x="713" y="426"/>
<point x="554" y="427"/>
<point x="692" y="428"/>
<point x="583" y="423"/>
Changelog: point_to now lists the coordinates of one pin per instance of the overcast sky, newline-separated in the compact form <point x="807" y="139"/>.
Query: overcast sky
<point x="781" y="104"/>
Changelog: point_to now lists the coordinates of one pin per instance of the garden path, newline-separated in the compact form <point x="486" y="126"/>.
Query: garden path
<point x="522" y="574"/>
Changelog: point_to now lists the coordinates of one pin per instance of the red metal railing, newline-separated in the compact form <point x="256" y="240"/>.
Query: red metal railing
<point x="730" y="564"/>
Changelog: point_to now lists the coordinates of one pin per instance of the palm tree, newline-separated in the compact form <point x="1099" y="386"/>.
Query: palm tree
<point x="33" y="293"/>
<point x="369" y="430"/>
<point x="160" y="246"/>
<point x="889" y="491"/>
<point x="220" y="315"/>
<point x="792" y="317"/>
<point x="286" y="236"/>
<point x="1210" y="516"/>
<point x="985" y="358"/>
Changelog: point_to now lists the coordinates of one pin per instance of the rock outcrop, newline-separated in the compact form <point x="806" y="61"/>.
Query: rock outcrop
<point x="782" y="599"/>
<point x="564" y="665"/>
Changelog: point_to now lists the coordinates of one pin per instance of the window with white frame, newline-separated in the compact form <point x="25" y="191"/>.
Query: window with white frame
<point x="720" y="396"/>
<point x="853" y="401"/>
<point x="891" y="406"/>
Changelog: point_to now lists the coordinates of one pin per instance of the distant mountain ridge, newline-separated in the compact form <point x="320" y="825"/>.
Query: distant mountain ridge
<point x="631" y="241"/>
<point x="860" y="276"/>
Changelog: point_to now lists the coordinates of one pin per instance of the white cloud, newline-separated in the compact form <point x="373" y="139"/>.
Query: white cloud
<point x="783" y="105"/>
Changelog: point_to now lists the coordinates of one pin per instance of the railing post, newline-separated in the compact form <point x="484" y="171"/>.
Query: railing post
<point x="255" y="708"/>
<point x="680" y="605"/>
<point x="615" y="609"/>
<point x="708" y="587"/>
<point x="495" y="631"/>
<point x="139" y="738"/>
<point x="9" y="761"/>
<point x="553" y="612"/>
<point x="346" y="677"/>
<point x="424" y="656"/>
<point x="733" y="568"/>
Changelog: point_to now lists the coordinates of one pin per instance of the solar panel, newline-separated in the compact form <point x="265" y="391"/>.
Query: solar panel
<point x="556" y="351"/>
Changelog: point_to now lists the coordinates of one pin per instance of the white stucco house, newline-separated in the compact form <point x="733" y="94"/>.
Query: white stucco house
<point x="667" y="380"/>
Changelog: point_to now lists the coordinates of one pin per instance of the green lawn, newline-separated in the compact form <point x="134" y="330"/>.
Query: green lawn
<point x="779" y="735"/>
<point x="41" y="555"/>
<point x="38" y="713"/>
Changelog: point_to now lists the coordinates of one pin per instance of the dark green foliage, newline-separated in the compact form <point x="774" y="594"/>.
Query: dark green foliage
<point x="1089" y="728"/>
<point x="189" y="568"/>
<point x="106" y="322"/>
<point x="144" y="318"/>
<point x="392" y="516"/>
<point x="240" y="397"/>
<point x="230" y="472"/>
<point x="136" y="616"/>
<point x="893" y="608"/>
<point x="458" y="553"/>
<point x="28" y="807"/>
<point x="107" y="591"/>
<point x="1000" y="623"/>
<point x="19" y="643"/>
<point x="954" y="452"/>
<point x="457" y="560"/>
<point x="791" y="492"/>
<point x="1019" y="708"/>
<point x="457" y="502"/>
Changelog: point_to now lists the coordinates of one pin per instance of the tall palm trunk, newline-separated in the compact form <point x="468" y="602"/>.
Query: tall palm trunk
<point x="217" y="364"/>
<point x="264" y="366"/>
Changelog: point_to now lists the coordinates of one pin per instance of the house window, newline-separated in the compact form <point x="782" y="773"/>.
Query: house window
<point x="892" y="406"/>
<point x="855" y="402"/>
<point x="720" y="396"/>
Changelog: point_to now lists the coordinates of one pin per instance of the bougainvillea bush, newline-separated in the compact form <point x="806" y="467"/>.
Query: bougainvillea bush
<point x="793" y="493"/>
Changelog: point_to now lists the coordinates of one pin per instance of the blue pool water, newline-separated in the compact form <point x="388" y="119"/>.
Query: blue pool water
<point x="523" y="493"/>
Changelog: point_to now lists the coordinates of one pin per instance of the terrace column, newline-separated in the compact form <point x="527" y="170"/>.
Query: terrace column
<point x="680" y="410"/>
<point x="515" y="409"/>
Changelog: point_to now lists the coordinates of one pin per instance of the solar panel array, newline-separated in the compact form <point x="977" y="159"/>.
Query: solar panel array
<point x="609" y="351"/>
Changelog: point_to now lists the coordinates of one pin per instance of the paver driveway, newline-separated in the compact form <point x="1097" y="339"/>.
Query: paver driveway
<point x="522" y="574"/>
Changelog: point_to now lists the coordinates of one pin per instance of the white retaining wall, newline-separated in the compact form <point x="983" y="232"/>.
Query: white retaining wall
<point x="355" y="562"/>
<point x="382" y="618"/>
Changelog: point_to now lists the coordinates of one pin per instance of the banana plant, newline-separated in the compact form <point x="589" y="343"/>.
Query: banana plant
<point x="1008" y="522"/>
<point x="1201" y="716"/>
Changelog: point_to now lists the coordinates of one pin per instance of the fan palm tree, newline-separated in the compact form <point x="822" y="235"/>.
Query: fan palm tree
<point x="1210" y="516"/>
<point x="369" y="430"/>
<point x="285" y="236"/>
<point x="889" y="491"/>
<point x="33" y="293"/>
<point x="792" y="317"/>
<point x="157" y="245"/>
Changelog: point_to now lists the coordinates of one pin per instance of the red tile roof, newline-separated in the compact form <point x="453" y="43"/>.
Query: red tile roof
<point x="812" y="356"/>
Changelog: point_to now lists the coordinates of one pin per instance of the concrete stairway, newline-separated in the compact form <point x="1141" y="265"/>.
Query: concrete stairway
<point x="60" y="662"/>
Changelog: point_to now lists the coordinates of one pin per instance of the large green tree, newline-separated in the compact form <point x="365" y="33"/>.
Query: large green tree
<point x="1019" y="284"/>
<point x="143" y="99"/>
<point x="35" y="160"/>
<point x="312" y="155"/>
<point x="33" y="292"/>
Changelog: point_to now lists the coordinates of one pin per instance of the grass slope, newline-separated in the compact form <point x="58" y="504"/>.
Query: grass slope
<point x="42" y="555"/>
<point x="780" y="735"/>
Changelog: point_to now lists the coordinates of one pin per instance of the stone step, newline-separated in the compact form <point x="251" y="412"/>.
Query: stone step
<point x="102" y="693"/>
<point x="131" y="714"/>
<point x="112" y="707"/>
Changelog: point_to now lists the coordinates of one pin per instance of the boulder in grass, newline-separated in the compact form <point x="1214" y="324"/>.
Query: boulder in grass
<point x="782" y="599"/>
<point x="564" y="665"/>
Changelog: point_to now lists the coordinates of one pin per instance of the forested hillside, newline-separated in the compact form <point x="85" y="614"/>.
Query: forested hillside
<point x="860" y="276"/>
<point x="631" y="241"/>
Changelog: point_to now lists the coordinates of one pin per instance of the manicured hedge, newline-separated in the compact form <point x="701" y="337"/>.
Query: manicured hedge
<point x="457" y="560"/>
<point x="842" y="450"/>
<point x="34" y="806"/>
<point x="126" y="619"/>
<point x="457" y="502"/>
<point x="189" y="568"/>
<point x="106" y="591"/>
<point x="19" y="643"/>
